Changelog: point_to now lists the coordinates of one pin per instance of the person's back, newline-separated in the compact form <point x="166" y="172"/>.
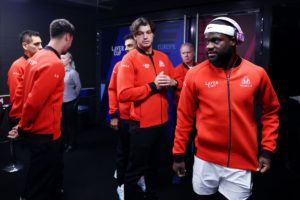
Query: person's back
<point x="41" y="93"/>
<point x="44" y="112"/>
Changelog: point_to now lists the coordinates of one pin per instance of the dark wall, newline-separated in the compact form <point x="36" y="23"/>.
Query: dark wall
<point x="123" y="12"/>
<point x="285" y="50"/>
<point x="167" y="9"/>
<point x="16" y="15"/>
<point x="285" y="76"/>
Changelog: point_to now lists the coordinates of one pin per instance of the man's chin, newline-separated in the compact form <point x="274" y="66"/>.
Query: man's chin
<point x="215" y="62"/>
<point x="146" y="46"/>
<point x="212" y="59"/>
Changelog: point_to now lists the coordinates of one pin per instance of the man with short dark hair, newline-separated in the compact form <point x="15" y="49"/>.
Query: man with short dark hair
<point x="143" y="79"/>
<point x="121" y="123"/>
<point x="41" y="92"/>
<point x="31" y="43"/>
<point x="222" y="93"/>
<point x="114" y="104"/>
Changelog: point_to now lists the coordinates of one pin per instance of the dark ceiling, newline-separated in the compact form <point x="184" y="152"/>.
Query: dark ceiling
<point x="110" y="4"/>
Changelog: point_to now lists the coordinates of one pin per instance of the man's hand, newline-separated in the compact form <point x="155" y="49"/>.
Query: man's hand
<point x="13" y="133"/>
<point x="179" y="168"/>
<point x="264" y="164"/>
<point x="158" y="80"/>
<point x="163" y="81"/>
<point x="114" y="123"/>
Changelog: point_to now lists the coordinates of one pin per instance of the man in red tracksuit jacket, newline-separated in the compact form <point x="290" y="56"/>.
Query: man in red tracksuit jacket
<point x="31" y="43"/>
<point x="144" y="75"/>
<point x="114" y="104"/>
<point x="222" y="93"/>
<point x="121" y="124"/>
<point x="41" y="92"/>
<point x="187" y="53"/>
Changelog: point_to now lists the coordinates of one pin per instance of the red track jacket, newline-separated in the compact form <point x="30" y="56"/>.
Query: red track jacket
<point x="179" y="74"/>
<point x="114" y="104"/>
<point x="42" y="94"/>
<point x="135" y="83"/>
<point x="15" y="74"/>
<point x="225" y="114"/>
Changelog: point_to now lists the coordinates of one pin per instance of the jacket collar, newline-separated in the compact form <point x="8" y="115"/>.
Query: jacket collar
<point x="143" y="52"/>
<point x="53" y="50"/>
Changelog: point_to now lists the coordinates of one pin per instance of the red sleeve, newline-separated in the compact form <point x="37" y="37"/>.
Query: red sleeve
<point x="44" y="85"/>
<point x="127" y="91"/>
<point x="112" y="91"/>
<point x="187" y="106"/>
<point x="178" y="76"/>
<point x="270" y="117"/>
<point x="17" y="103"/>
<point x="15" y="74"/>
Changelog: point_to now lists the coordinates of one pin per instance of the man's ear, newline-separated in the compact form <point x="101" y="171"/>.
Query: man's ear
<point x="67" y="37"/>
<point x="233" y="41"/>
<point x="25" y="45"/>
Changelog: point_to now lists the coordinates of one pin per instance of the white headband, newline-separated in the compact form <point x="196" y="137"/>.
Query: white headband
<point x="220" y="28"/>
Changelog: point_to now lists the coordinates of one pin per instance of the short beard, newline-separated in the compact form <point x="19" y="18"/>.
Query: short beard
<point x="223" y="58"/>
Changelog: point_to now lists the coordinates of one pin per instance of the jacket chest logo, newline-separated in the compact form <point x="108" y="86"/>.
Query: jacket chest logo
<point x="32" y="62"/>
<point x="124" y="65"/>
<point x="161" y="63"/>
<point x="245" y="82"/>
<point x="146" y="65"/>
<point x="211" y="84"/>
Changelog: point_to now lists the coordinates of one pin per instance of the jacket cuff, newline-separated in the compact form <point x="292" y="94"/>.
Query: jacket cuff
<point x="153" y="86"/>
<point x="114" y="115"/>
<point x="266" y="154"/>
<point x="178" y="158"/>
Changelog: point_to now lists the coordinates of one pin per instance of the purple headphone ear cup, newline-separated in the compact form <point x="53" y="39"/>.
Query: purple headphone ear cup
<point x="240" y="36"/>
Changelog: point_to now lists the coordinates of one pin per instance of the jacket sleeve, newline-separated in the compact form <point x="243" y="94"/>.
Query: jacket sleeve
<point x="44" y="85"/>
<point x="270" y="117"/>
<point x="127" y="90"/>
<point x="178" y="77"/>
<point x="76" y="80"/>
<point x="17" y="103"/>
<point x="14" y="78"/>
<point x="187" y="106"/>
<point x="112" y="93"/>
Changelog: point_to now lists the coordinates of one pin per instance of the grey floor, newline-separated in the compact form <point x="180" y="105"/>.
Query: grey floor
<point x="89" y="170"/>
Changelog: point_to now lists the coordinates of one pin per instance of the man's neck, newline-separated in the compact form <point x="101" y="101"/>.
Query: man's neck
<point x="228" y="63"/>
<point x="147" y="50"/>
<point x="190" y="64"/>
<point x="55" y="45"/>
<point x="27" y="54"/>
<point x="53" y="50"/>
<point x="232" y="62"/>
